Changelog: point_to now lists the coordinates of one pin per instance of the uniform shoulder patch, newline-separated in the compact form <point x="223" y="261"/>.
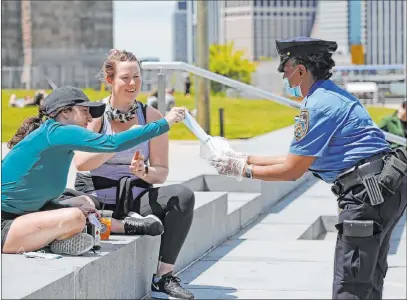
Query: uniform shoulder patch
<point x="301" y="124"/>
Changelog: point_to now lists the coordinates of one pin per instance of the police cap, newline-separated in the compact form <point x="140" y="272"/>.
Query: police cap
<point x="302" y="46"/>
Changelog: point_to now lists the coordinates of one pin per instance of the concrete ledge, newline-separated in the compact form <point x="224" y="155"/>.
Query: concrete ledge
<point x="208" y="228"/>
<point x="319" y="229"/>
<point x="124" y="268"/>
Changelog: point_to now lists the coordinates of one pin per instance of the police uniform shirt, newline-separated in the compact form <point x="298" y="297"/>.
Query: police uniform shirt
<point x="334" y="127"/>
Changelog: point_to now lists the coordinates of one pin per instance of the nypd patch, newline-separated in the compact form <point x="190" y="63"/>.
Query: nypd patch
<point x="301" y="124"/>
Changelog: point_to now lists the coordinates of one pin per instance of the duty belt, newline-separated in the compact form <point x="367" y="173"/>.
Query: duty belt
<point x="365" y="172"/>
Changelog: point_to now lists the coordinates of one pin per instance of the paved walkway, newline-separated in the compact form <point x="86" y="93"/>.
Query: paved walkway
<point x="268" y="261"/>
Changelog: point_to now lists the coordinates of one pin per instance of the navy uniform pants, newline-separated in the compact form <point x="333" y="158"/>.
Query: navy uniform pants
<point x="361" y="262"/>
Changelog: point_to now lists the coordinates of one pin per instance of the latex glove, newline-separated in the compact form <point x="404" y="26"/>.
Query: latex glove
<point x="218" y="147"/>
<point x="232" y="153"/>
<point x="229" y="166"/>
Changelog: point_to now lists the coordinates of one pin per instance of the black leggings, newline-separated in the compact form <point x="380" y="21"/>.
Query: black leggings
<point x="174" y="205"/>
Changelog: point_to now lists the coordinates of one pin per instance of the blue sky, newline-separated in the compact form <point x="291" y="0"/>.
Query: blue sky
<point x="144" y="27"/>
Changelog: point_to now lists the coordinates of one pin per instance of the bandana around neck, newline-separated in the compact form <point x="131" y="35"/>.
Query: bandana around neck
<point x="123" y="117"/>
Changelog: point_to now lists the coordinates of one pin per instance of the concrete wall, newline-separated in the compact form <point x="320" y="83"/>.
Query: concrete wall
<point x="70" y="40"/>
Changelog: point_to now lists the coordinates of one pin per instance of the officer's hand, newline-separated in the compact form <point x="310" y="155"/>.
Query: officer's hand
<point x="229" y="166"/>
<point x="232" y="153"/>
<point x="218" y="147"/>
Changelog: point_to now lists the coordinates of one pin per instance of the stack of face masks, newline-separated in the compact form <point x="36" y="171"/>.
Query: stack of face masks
<point x="211" y="147"/>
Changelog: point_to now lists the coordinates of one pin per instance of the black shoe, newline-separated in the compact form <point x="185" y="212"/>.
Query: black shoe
<point x="169" y="287"/>
<point x="138" y="225"/>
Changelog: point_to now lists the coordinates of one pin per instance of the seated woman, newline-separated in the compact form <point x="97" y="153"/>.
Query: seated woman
<point x="115" y="178"/>
<point x="35" y="171"/>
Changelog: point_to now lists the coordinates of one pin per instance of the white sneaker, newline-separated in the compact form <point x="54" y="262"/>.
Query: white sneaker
<point x="75" y="245"/>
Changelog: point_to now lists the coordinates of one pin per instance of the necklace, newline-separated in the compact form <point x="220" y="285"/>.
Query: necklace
<point x="123" y="117"/>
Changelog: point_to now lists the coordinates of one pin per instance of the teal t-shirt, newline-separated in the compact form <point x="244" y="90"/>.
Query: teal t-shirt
<point x="35" y="171"/>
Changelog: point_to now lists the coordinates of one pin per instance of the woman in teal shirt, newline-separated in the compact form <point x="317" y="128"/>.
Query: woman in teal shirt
<point x="35" y="171"/>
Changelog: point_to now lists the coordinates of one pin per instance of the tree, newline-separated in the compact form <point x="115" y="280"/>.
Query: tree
<point x="225" y="61"/>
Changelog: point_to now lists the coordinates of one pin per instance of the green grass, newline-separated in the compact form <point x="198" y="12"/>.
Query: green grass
<point x="243" y="118"/>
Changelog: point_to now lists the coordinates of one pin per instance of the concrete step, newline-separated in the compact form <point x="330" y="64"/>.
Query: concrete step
<point x="123" y="268"/>
<point x="242" y="208"/>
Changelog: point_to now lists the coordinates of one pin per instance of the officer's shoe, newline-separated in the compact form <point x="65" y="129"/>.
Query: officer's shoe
<point x="169" y="287"/>
<point x="135" y="224"/>
<point x="75" y="245"/>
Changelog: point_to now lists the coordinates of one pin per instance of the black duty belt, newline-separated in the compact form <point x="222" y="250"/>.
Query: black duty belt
<point x="359" y="174"/>
<point x="124" y="193"/>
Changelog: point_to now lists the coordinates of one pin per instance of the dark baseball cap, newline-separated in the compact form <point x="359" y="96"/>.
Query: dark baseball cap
<point x="72" y="96"/>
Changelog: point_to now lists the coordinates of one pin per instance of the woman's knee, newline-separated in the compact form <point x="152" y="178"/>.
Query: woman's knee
<point x="186" y="197"/>
<point x="73" y="219"/>
<point x="88" y="201"/>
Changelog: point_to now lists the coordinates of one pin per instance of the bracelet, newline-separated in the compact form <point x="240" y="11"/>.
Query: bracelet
<point x="248" y="171"/>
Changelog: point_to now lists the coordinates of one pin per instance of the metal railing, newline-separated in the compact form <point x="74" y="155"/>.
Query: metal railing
<point x="256" y="92"/>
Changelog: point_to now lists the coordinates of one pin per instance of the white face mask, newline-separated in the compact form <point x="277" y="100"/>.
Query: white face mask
<point x="293" y="91"/>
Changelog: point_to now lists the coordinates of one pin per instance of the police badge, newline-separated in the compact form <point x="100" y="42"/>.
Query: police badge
<point x="301" y="124"/>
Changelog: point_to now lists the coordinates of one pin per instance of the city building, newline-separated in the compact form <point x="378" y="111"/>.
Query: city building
<point x="179" y="32"/>
<point x="63" y="40"/>
<point x="331" y="23"/>
<point x="385" y="26"/>
<point x="254" y="26"/>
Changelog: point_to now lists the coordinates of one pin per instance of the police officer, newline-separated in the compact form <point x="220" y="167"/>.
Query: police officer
<point x="335" y="139"/>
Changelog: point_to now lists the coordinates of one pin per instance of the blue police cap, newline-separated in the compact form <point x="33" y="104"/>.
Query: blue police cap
<point x="302" y="46"/>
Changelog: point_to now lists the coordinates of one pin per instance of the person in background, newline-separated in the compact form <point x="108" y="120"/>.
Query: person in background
<point x="169" y="98"/>
<point x="187" y="86"/>
<point x="396" y="123"/>
<point x="152" y="99"/>
<point x="27" y="100"/>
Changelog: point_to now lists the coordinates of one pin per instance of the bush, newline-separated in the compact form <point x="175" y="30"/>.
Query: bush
<point x="224" y="60"/>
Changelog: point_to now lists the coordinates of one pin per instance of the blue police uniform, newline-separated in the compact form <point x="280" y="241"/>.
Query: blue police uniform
<point x="334" y="127"/>
<point x="368" y="177"/>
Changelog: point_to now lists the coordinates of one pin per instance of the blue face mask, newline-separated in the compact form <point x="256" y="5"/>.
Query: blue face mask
<point x="293" y="91"/>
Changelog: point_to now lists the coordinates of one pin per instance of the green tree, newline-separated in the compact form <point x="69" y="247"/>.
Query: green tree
<point x="224" y="60"/>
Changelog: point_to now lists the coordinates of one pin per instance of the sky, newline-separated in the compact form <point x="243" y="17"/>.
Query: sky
<point x="144" y="28"/>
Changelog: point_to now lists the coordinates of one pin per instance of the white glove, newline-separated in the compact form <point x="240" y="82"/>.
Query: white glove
<point x="232" y="153"/>
<point x="229" y="166"/>
<point x="218" y="147"/>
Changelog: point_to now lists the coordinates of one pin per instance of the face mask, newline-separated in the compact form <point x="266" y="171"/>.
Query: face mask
<point x="293" y="91"/>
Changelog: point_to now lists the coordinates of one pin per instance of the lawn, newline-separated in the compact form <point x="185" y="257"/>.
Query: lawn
<point x="242" y="118"/>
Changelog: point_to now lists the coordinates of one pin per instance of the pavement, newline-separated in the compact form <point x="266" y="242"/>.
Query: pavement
<point x="269" y="260"/>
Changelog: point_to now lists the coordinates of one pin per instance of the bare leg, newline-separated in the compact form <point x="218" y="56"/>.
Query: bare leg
<point x="12" y="100"/>
<point x="36" y="230"/>
<point x="164" y="268"/>
<point x="79" y="201"/>
<point x="117" y="226"/>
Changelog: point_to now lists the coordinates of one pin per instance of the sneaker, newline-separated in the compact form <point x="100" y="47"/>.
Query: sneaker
<point x="75" y="245"/>
<point x="138" y="225"/>
<point x="169" y="287"/>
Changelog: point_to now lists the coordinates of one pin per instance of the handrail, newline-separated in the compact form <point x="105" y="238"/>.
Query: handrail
<point x="182" y="66"/>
